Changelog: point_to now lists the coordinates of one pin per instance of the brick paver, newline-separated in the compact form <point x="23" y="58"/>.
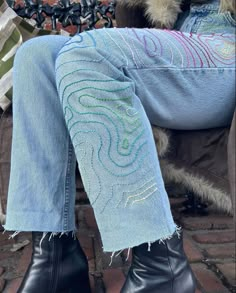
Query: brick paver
<point x="2" y="281"/>
<point x="113" y="280"/>
<point x="211" y="222"/>
<point x="221" y="251"/>
<point x="192" y="251"/>
<point x="13" y="285"/>
<point x="229" y="271"/>
<point x="209" y="243"/>
<point x="215" y="237"/>
<point x="208" y="280"/>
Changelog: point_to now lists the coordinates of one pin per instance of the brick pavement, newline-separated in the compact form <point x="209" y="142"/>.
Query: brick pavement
<point x="209" y="243"/>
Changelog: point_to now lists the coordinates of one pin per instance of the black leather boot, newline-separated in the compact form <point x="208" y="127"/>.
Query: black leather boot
<point x="161" y="269"/>
<point x="58" y="265"/>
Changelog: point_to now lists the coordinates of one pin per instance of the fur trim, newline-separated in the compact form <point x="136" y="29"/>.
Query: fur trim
<point x="2" y="216"/>
<point x="228" y="5"/>
<point x="161" y="137"/>
<point x="197" y="185"/>
<point x="2" y="219"/>
<point x="163" y="13"/>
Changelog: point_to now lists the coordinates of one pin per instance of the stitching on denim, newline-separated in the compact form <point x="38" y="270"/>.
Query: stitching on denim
<point x="67" y="187"/>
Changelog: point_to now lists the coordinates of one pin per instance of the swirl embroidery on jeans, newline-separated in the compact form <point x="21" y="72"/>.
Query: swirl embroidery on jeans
<point x="106" y="123"/>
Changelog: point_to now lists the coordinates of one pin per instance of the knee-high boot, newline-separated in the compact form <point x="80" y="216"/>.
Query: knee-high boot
<point x="58" y="265"/>
<point x="162" y="268"/>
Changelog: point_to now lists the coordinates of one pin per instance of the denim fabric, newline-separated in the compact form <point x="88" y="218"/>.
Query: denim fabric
<point x="95" y="105"/>
<point x="42" y="163"/>
<point x="206" y="18"/>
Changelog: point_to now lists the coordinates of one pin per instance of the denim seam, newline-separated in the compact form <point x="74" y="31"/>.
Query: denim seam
<point x="67" y="186"/>
<point x="196" y="25"/>
<point x="180" y="69"/>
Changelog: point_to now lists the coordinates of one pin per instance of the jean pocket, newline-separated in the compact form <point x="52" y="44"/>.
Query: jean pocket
<point x="230" y="18"/>
<point x="216" y="23"/>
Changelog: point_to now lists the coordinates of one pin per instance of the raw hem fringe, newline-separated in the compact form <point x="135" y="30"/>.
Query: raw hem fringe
<point x="177" y="231"/>
<point x="44" y="235"/>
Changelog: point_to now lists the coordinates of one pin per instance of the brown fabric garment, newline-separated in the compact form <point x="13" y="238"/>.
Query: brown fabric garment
<point x="130" y="17"/>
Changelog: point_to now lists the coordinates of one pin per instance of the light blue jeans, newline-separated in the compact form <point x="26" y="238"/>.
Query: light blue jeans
<point x="92" y="98"/>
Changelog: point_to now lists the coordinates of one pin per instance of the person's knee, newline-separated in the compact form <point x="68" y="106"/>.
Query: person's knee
<point x="29" y="51"/>
<point x="38" y="50"/>
<point x="85" y="47"/>
<point x="34" y="67"/>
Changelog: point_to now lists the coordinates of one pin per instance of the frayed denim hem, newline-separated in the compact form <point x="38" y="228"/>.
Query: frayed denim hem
<point x="178" y="231"/>
<point x="52" y="234"/>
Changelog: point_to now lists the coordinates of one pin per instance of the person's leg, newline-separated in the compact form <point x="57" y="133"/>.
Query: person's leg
<point x="42" y="181"/>
<point x="109" y="81"/>
<point x="117" y="155"/>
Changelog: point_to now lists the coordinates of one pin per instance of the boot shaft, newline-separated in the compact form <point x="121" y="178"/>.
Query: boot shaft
<point x="160" y="267"/>
<point x="58" y="264"/>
